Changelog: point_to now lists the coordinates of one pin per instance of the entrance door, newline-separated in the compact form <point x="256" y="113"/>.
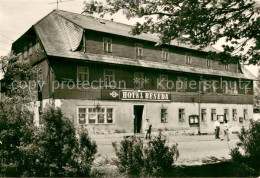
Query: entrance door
<point x="138" y="112"/>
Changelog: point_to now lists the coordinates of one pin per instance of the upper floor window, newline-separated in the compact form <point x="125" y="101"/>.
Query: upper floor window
<point x="206" y="86"/>
<point x="214" y="85"/>
<point x="165" y="54"/>
<point x="226" y="66"/>
<point x="139" y="50"/>
<point x="225" y="87"/>
<point x="234" y="87"/>
<point x="188" y="58"/>
<point x="181" y="84"/>
<point x="138" y="80"/>
<point x="163" y="82"/>
<point x="246" y="87"/>
<point x="107" y="44"/>
<point x="109" y="77"/>
<point x="82" y="74"/>
<point x="209" y="63"/>
<point x="181" y="115"/>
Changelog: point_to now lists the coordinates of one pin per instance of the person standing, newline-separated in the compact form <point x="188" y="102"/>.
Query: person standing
<point x="146" y="128"/>
<point x="217" y="129"/>
<point x="226" y="131"/>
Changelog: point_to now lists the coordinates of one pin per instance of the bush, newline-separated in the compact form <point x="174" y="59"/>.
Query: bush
<point x="247" y="151"/>
<point x="154" y="158"/>
<point x="51" y="150"/>
<point x="59" y="151"/>
<point x="16" y="132"/>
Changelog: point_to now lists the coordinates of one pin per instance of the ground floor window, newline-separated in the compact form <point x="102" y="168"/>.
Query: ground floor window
<point x="91" y="115"/>
<point x="164" y="115"/>
<point x="193" y="120"/>
<point x="226" y="114"/>
<point x="234" y="114"/>
<point x="245" y="114"/>
<point x="181" y="115"/>
<point x="213" y="114"/>
<point x="203" y="115"/>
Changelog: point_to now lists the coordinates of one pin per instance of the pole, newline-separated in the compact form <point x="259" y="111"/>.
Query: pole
<point x="57" y="4"/>
<point x="199" y="105"/>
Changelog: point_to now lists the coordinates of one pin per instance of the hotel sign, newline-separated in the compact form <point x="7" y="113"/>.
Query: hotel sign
<point x="138" y="95"/>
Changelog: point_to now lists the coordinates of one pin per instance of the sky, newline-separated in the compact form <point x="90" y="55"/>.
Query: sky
<point x="17" y="16"/>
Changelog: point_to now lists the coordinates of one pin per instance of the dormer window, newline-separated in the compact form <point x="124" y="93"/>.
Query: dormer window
<point x="226" y="66"/>
<point x="107" y="44"/>
<point x="188" y="59"/>
<point x="165" y="54"/>
<point x="209" y="63"/>
<point x="139" y="50"/>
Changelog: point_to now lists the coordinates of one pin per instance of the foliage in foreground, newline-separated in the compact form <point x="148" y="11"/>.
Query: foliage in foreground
<point x="154" y="158"/>
<point x="247" y="151"/>
<point x="50" y="150"/>
<point x="201" y="23"/>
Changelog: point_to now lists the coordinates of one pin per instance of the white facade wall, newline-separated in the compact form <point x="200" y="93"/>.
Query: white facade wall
<point x="123" y="115"/>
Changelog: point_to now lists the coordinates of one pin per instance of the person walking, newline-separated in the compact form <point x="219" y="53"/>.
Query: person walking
<point x="146" y="128"/>
<point x="217" y="129"/>
<point x="226" y="131"/>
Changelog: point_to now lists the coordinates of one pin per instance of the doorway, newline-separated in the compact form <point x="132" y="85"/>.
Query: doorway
<point x="138" y="117"/>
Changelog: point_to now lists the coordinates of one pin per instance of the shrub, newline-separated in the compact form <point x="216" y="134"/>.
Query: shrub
<point x="59" y="151"/>
<point x="16" y="132"/>
<point x="154" y="158"/>
<point x="51" y="150"/>
<point x="247" y="150"/>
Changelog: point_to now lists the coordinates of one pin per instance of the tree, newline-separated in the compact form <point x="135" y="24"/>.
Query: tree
<point x="59" y="151"/>
<point x="196" y="22"/>
<point x="16" y="119"/>
<point x="247" y="151"/>
<point x="257" y="92"/>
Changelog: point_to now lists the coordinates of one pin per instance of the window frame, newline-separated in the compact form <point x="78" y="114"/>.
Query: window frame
<point x="164" y="115"/>
<point x="97" y="113"/>
<point x="203" y="115"/>
<point x="215" y="114"/>
<point x="234" y="89"/>
<point x="234" y="114"/>
<point x="184" y="86"/>
<point x="226" y="114"/>
<point x="182" y="114"/>
<point x="113" y="77"/>
<point x="141" y="83"/>
<point x="106" y="43"/>
<point x="138" y="48"/>
<point x="209" y="63"/>
<point x="226" y="66"/>
<point x="165" y="54"/>
<point x="166" y="76"/>
<point x="245" y="114"/>
<point x="188" y="59"/>
<point x="82" y="73"/>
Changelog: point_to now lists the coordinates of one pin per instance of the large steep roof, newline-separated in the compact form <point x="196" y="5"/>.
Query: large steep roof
<point x="56" y="42"/>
